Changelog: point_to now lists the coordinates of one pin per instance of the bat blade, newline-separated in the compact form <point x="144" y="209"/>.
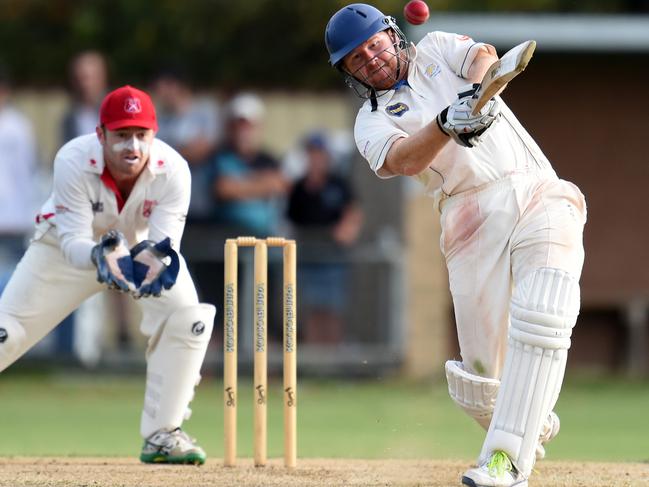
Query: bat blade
<point x="501" y="72"/>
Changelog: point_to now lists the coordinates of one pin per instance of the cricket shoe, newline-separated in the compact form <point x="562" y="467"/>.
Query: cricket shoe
<point x="497" y="471"/>
<point x="173" y="446"/>
<point x="550" y="429"/>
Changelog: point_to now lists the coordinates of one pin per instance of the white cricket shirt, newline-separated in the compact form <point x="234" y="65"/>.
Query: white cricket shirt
<point x="85" y="202"/>
<point x="437" y="72"/>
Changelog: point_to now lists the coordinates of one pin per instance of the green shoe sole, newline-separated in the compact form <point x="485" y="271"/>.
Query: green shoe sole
<point x="189" y="459"/>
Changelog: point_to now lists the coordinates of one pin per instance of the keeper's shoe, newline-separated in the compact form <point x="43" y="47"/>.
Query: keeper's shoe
<point x="496" y="471"/>
<point x="550" y="429"/>
<point x="173" y="446"/>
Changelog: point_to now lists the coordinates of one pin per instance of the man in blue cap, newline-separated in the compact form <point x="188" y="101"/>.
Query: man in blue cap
<point x="511" y="229"/>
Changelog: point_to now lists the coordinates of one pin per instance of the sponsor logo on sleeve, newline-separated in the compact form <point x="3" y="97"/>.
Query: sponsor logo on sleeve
<point x="60" y="209"/>
<point x="397" y="110"/>
<point x="464" y="38"/>
<point x="97" y="206"/>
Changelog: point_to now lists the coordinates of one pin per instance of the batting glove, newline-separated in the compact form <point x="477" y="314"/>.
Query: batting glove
<point x="457" y="122"/>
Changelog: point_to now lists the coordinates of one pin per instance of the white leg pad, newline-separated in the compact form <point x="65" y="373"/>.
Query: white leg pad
<point x="13" y="341"/>
<point x="174" y="358"/>
<point x="474" y="394"/>
<point x="544" y="310"/>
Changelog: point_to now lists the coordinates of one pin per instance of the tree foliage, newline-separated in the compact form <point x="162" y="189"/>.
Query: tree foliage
<point x="249" y="43"/>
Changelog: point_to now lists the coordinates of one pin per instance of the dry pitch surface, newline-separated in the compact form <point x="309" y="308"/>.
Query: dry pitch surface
<point x="119" y="472"/>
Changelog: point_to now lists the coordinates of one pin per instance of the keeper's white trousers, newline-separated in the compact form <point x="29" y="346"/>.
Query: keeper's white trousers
<point x="45" y="288"/>
<point x="492" y="238"/>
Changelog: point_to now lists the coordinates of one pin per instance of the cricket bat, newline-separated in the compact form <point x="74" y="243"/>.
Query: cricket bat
<point x="501" y="72"/>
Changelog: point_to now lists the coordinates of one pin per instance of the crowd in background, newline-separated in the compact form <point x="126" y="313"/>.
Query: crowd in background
<point x="238" y="188"/>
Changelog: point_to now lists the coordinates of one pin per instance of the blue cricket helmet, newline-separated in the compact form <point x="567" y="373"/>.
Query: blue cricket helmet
<point x="351" y="26"/>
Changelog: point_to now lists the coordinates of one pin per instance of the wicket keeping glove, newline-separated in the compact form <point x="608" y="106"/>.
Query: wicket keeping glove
<point x="456" y="120"/>
<point x="113" y="261"/>
<point x="155" y="267"/>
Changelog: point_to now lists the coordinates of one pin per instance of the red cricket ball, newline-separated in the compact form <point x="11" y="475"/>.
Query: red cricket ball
<point x="416" y="12"/>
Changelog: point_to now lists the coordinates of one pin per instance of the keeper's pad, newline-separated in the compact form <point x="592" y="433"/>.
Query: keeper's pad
<point x="474" y="394"/>
<point x="544" y="310"/>
<point x="174" y="358"/>
<point x="12" y="340"/>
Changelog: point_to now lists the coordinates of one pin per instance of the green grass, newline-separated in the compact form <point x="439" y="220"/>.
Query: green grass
<point x="81" y="415"/>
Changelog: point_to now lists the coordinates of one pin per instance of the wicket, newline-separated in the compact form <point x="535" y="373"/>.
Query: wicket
<point x="260" y="347"/>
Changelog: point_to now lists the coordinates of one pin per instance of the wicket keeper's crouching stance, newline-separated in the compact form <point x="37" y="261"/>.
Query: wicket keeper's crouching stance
<point x="511" y="229"/>
<point x="118" y="189"/>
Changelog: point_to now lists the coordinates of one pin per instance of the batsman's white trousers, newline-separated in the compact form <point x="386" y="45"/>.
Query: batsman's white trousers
<point x="493" y="237"/>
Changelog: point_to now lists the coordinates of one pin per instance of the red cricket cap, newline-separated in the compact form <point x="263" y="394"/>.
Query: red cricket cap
<point x="127" y="107"/>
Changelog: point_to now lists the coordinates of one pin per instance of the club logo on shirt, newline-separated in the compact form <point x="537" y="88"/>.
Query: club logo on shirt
<point x="132" y="105"/>
<point x="397" y="110"/>
<point x="97" y="206"/>
<point x="148" y="207"/>
<point x="433" y="70"/>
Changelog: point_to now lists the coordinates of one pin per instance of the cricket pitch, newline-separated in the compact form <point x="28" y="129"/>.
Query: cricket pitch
<point x="129" y="472"/>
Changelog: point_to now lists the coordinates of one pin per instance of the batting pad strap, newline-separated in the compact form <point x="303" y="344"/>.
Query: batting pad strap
<point x="474" y="394"/>
<point x="539" y="335"/>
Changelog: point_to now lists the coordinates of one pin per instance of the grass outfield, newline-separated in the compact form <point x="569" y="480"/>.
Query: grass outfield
<point x="94" y="415"/>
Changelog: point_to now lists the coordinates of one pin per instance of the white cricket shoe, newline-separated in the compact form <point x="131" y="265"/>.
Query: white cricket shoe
<point x="496" y="471"/>
<point x="551" y="427"/>
<point x="173" y="446"/>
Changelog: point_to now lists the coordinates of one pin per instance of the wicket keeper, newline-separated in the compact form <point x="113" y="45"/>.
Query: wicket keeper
<point x="115" y="219"/>
<point x="511" y="229"/>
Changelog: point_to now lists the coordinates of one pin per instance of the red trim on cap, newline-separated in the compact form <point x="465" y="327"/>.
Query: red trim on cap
<point x="109" y="182"/>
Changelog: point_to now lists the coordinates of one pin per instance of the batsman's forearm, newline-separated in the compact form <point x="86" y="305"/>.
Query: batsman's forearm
<point x="412" y="155"/>
<point x="483" y="60"/>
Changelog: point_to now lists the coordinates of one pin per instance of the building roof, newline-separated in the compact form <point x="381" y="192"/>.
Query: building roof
<point x="552" y="32"/>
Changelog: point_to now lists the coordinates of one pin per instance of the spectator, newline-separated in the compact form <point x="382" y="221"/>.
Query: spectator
<point x="327" y="220"/>
<point x="192" y="127"/>
<point x="248" y="181"/>
<point x="89" y="84"/>
<point x="82" y="332"/>
<point x="249" y="189"/>
<point x="18" y="170"/>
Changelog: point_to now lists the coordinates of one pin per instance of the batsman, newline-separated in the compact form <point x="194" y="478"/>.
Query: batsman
<point x="511" y="229"/>
<point x="115" y="219"/>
